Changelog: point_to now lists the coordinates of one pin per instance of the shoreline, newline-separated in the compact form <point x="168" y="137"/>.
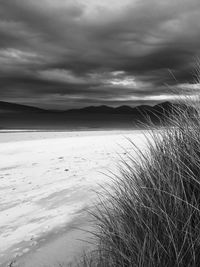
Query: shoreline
<point x="67" y="130"/>
<point x="27" y="135"/>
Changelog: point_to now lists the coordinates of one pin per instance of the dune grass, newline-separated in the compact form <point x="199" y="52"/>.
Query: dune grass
<point x="151" y="215"/>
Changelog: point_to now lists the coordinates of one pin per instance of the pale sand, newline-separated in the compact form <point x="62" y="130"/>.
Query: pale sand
<point x="45" y="183"/>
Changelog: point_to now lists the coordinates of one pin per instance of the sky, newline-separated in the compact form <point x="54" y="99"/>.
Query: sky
<point x="64" y="54"/>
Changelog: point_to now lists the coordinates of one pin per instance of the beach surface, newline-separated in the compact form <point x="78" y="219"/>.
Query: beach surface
<point x="47" y="182"/>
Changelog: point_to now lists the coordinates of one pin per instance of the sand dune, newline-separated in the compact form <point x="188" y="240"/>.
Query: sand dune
<point x="47" y="181"/>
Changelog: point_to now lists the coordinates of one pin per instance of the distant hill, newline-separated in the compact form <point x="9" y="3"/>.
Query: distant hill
<point x="16" y="116"/>
<point x="158" y="109"/>
<point x="6" y="107"/>
<point x="139" y="112"/>
<point x="143" y="113"/>
<point x="119" y="110"/>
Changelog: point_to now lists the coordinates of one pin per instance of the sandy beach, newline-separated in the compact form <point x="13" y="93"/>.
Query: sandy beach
<point x="47" y="181"/>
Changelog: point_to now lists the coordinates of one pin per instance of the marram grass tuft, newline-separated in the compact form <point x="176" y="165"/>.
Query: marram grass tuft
<point x="152" y="218"/>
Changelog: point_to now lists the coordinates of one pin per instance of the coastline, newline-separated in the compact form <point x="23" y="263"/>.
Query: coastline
<point x="26" y="135"/>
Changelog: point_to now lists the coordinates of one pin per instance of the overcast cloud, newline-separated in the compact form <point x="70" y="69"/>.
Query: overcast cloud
<point x="63" y="54"/>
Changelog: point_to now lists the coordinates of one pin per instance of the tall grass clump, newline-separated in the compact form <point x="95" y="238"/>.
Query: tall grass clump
<point x="152" y="214"/>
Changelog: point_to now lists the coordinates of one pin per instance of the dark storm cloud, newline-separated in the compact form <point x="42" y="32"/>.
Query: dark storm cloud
<point x="69" y="53"/>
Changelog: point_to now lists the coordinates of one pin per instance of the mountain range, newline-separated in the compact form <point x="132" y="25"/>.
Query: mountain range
<point x="17" y="116"/>
<point x="7" y="107"/>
